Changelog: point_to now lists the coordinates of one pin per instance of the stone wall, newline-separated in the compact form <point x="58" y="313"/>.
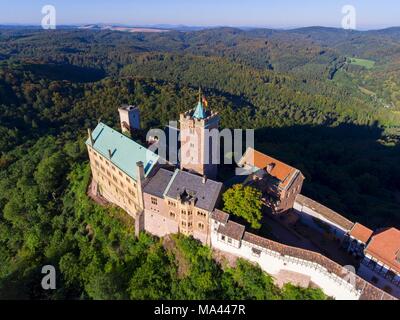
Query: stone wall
<point x="273" y="257"/>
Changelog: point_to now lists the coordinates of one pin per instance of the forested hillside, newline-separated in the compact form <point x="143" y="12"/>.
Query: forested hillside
<point x="323" y="100"/>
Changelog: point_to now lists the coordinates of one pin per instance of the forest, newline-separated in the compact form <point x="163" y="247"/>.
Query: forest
<point x="310" y="104"/>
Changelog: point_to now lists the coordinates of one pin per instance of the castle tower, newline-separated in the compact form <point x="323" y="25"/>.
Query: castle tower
<point x="130" y="118"/>
<point x="197" y="146"/>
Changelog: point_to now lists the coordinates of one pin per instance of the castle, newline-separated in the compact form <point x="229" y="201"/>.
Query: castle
<point x="165" y="199"/>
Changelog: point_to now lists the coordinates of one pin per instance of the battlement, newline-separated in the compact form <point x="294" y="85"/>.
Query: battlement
<point x="211" y="117"/>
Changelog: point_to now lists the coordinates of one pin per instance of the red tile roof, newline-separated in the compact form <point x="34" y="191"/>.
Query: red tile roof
<point x="220" y="216"/>
<point x="361" y="232"/>
<point x="385" y="247"/>
<point x="280" y="170"/>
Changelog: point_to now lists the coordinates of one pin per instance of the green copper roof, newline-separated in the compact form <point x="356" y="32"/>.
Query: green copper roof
<point x="125" y="152"/>
<point x="199" y="113"/>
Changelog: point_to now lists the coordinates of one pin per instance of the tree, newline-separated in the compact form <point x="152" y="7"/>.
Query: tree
<point x="244" y="202"/>
<point x="49" y="172"/>
<point x="248" y="282"/>
<point x="152" y="280"/>
<point x="291" y="292"/>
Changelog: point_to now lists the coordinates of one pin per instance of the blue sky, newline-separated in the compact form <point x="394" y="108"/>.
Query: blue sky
<point x="266" y="13"/>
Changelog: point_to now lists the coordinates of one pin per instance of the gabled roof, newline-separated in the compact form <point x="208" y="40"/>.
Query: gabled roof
<point x="159" y="183"/>
<point x="125" y="153"/>
<point x="205" y="193"/>
<point x="385" y="247"/>
<point x="232" y="230"/>
<point x="220" y="216"/>
<point x="361" y="232"/>
<point x="279" y="170"/>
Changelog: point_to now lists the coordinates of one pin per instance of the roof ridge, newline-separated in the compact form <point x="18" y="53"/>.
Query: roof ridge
<point x="171" y="181"/>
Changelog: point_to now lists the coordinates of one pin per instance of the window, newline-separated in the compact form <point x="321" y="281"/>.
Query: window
<point x="390" y="275"/>
<point x="190" y="224"/>
<point x="192" y="145"/>
<point x="183" y="212"/>
<point x="201" y="225"/>
<point x="371" y="264"/>
<point x="154" y="201"/>
<point x="108" y="173"/>
<point x="201" y="214"/>
<point x="102" y="168"/>
<point x="172" y="214"/>
<point x="256" y="252"/>
<point x="190" y="213"/>
<point x="378" y="267"/>
<point x="229" y="240"/>
<point x="115" y="179"/>
<point x="113" y="168"/>
<point x="127" y="179"/>
<point x="96" y="163"/>
<point x="184" y="223"/>
<point x="131" y="192"/>
<point x="101" y="158"/>
<point x="120" y="173"/>
<point x="191" y="130"/>
<point x="223" y="238"/>
<point x="171" y="203"/>
<point x="382" y="271"/>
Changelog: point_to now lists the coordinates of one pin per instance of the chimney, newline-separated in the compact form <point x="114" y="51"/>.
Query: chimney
<point x="109" y="153"/>
<point x="140" y="171"/>
<point x="90" y="136"/>
<point x="270" y="167"/>
<point x="204" y="179"/>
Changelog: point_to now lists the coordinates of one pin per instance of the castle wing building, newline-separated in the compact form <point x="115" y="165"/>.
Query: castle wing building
<point x="279" y="182"/>
<point x="120" y="167"/>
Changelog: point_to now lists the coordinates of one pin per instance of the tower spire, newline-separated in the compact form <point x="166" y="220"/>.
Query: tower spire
<point x="200" y="94"/>
<point x="199" y="112"/>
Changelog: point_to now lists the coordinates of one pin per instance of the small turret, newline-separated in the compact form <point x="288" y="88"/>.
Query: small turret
<point x="129" y="118"/>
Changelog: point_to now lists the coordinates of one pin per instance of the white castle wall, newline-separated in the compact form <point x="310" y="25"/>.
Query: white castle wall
<point x="272" y="262"/>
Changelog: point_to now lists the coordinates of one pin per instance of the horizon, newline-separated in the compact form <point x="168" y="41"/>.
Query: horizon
<point x="288" y="14"/>
<point x="183" y="26"/>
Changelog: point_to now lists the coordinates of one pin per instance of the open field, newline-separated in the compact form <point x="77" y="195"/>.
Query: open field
<point x="369" y="64"/>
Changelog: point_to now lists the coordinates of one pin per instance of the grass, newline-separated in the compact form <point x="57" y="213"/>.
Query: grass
<point x="369" y="64"/>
